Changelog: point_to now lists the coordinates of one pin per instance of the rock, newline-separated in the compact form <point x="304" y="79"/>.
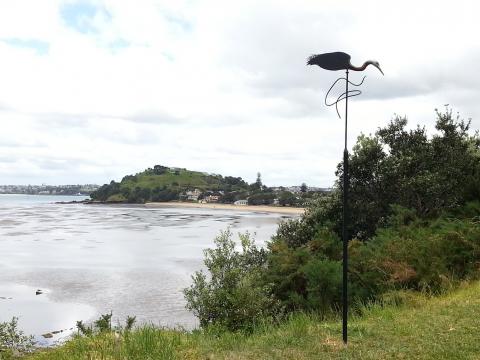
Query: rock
<point x="38" y="292"/>
<point x="48" y="335"/>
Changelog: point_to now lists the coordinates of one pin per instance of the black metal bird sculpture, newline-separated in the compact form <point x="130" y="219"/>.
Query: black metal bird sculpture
<point x="339" y="61"/>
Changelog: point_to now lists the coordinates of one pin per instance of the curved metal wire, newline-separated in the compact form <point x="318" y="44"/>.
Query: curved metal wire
<point x="345" y="94"/>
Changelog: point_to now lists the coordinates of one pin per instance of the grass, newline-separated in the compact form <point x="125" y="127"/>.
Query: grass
<point x="444" y="327"/>
<point x="182" y="179"/>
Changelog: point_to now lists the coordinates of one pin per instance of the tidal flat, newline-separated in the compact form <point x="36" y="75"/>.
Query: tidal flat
<point x="87" y="260"/>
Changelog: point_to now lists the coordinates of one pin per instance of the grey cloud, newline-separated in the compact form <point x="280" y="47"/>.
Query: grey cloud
<point x="426" y="79"/>
<point x="64" y="124"/>
<point x="61" y="120"/>
<point x="7" y="159"/>
<point x="258" y="154"/>
<point x="12" y="143"/>
<point x="84" y="119"/>
<point x="271" y="46"/>
<point x="275" y="45"/>
<point x="155" y="118"/>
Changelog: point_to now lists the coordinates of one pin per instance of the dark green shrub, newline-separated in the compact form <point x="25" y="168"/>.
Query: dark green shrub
<point x="232" y="295"/>
<point x="324" y="284"/>
<point x="409" y="253"/>
<point x="421" y="255"/>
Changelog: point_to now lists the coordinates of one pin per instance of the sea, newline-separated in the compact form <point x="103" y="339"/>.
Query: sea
<point x="63" y="262"/>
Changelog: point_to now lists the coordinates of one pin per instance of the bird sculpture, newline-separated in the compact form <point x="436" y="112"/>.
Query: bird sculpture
<point x="339" y="61"/>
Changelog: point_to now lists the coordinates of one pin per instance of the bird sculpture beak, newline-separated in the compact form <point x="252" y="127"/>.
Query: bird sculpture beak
<point x="378" y="67"/>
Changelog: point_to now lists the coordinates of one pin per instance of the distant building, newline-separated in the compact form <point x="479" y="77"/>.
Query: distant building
<point x="294" y="189"/>
<point x="241" y="202"/>
<point x="212" y="198"/>
<point x="193" y="195"/>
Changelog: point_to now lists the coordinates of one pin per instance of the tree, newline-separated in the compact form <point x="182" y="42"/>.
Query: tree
<point x="403" y="167"/>
<point x="286" y="198"/>
<point x="258" y="182"/>
<point x="261" y="198"/>
<point x="105" y="191"/>
<point x="159" y="169"/>
<point x="232" y="296"/>
<point x="407" y="168"/>
<point x="303" y="188"/>
<point x="257" y="185"/>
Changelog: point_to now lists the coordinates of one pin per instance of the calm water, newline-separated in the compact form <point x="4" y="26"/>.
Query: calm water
<point x="93" y="259"/>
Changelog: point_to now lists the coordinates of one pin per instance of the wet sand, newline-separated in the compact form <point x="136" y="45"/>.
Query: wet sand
<point x="252" y="208"/>
<point x="90" y="260"/>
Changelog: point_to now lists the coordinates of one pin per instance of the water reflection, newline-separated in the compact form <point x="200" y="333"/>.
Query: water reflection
<point x="95" y="259"/>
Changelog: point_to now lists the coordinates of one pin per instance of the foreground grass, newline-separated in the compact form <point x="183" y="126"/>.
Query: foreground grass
<point x="445" y="327"/>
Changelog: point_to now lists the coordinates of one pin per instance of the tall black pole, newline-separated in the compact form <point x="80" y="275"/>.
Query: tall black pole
<point x="344" y="225"/>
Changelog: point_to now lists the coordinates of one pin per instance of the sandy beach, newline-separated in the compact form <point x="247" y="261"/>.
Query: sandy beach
<point x="125" y="258"/>
<point x="253" y="208"/>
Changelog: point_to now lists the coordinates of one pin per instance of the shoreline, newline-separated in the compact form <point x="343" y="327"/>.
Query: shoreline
<point x="250" y="208"/>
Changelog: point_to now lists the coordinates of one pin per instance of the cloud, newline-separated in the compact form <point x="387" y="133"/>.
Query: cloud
<point x="84" y="16"/>
<point x="117" y="86"/>
<point x="40" y="47"/>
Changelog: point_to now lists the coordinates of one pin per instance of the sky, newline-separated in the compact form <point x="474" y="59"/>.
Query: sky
<point x="91" y="91"/>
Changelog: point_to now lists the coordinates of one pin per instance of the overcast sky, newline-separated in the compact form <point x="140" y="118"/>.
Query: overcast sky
<point x="93" y="90"/>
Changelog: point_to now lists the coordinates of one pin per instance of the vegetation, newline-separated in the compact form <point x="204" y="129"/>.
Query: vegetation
<point x="12" y="340"/>
<point x="413" y="223"/>
<point x="169" y="184"/>
<point x="415" y="226"/>
<point x="411" y="253"/>
<point x="415" y="232"/>
<point x="164" y="184"/>
<point x="417" y="327"/>
<point x="233" y="297"/>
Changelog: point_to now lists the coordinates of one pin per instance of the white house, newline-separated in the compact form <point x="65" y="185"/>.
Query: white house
<point x="193" y="195"/>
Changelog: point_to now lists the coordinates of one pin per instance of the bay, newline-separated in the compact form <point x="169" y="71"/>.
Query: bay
<point x="88" y="260"/>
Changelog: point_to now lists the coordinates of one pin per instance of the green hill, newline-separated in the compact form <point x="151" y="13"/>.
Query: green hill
<point x="444" y="327"/>
<point x="162" y="183"/>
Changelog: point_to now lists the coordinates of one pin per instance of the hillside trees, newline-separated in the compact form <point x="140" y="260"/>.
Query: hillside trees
<point x="165" y="184"/>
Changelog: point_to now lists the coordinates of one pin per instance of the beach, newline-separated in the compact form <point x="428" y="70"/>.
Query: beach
<point x="252" y="208"/>
<point x="131" y="259"/>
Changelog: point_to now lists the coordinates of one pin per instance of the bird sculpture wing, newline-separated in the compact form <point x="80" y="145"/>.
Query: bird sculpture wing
<point x="330" y="61"/>
<point x="312" y="60"/>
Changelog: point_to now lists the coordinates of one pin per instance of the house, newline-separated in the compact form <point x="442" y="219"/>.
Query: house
<point x="212" y="198"/>
<point x="241" y="202"/>
<point x="193" y="195"/>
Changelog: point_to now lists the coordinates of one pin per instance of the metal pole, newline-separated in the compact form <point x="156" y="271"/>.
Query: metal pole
<point x="344" y="225"/>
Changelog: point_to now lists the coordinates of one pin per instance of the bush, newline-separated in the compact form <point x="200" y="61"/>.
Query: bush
<point x="324" y="284"/>
<point x="421" y="255"/>
<point x="13" y="340"/>
<point x="408" y="253"/>
<point x="104" y="325"/>
<point x="233" y="295"/>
